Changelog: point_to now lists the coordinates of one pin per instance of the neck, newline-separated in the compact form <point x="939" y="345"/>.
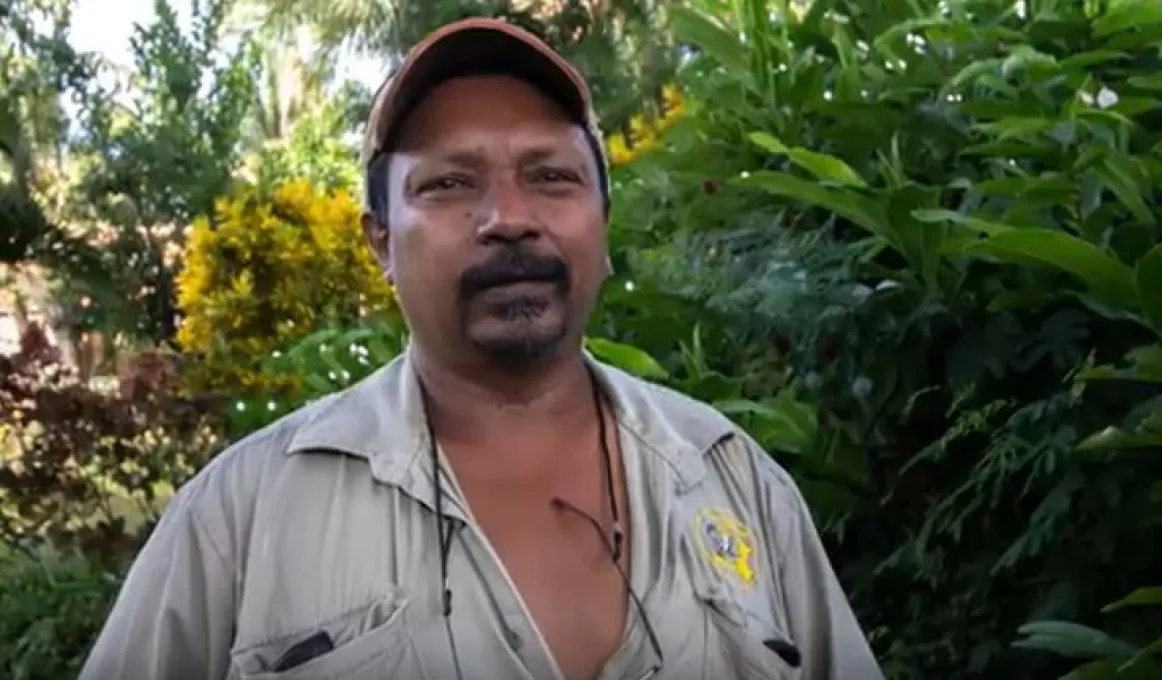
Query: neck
<point x="470" y="404"/>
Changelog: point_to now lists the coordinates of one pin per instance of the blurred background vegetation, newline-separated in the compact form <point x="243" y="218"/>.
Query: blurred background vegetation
<point x="911" y="245"/>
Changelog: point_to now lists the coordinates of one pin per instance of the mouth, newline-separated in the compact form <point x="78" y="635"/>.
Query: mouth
<point x="516" y="284"/>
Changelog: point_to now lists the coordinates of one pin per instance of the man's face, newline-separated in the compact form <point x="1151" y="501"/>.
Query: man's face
<point x="496" y="235"/>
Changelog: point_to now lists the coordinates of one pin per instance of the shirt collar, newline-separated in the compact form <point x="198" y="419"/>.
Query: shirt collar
<point x="381" y="419"/>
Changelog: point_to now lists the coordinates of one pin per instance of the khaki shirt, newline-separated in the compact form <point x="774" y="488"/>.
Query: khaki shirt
<point x="324" y="522"/>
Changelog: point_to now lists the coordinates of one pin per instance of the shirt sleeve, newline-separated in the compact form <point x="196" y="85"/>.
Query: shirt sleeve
<point x="822" y="624"/>
<point x="173" y="618"/>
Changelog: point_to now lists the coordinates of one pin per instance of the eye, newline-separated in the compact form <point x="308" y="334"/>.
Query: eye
<point x="444" y="183"/>
<point x="555" y="176"/>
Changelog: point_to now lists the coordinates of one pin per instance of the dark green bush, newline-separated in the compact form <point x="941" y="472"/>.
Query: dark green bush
<point x="934" y="221"/>
<point x="52" y="606"/>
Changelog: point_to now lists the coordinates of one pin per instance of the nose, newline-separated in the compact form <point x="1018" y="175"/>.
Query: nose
<point x="510" y="216"/>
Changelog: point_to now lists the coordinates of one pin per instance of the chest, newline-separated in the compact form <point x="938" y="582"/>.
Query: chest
<point x="363" y="566"/>
<point x="554" y="541"/>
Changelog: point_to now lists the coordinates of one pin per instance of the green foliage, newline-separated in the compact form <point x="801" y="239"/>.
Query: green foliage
<point x="266" y="269"/>
<point x="314" y="150"/>
<point x="1108" y="658"/>
<point x="327" y="360"/>
<point x="933" y="221"/>
<point x="38" y="69"/>
<point x="156" y="156"/>
<point x="52" y="606"/>
<point x="83" y="469"/>
<point x="621" y="45"/>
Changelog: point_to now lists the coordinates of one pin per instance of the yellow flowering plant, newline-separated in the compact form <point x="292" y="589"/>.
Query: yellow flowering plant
<point x="624" y="147"/>
<point x="266" y="269"/>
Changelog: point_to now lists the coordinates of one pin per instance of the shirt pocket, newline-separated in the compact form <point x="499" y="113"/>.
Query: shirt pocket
<point x="749" y="651"/>
<point x="370" y="643"/>
<point x="741" y="644"/>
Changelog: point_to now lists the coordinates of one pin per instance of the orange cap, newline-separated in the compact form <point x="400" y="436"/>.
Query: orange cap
<point x="476" y="46"/>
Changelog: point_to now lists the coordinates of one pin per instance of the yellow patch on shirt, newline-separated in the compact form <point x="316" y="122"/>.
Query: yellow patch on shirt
<point x="727" y="543"/>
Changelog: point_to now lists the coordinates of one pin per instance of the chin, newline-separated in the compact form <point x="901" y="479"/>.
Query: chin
<point x="519" y="331"/>
<point x="519" y="346"/>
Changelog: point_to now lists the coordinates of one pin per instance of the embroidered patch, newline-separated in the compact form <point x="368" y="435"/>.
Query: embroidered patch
<point x="727" y="543"/>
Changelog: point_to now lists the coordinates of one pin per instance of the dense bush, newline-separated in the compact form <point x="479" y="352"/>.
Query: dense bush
<point x="52" y="606"/>
<point x="929" y="220"/>
<point x="85" y="469"/>
<point x="267" y="269"/>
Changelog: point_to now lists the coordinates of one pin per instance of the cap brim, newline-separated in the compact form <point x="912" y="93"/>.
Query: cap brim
<point x="474" y="46"/>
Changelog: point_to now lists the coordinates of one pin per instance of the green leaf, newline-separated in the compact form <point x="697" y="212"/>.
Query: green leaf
<point x="1116" y="438"/>
<point x="785" y="423"/>
<point x="1126" y="15"/>
<point x="691" y="27"/>
<point x="1023" y="126"/>
<point x="1152" y="81"/>
<point x="1149" y="656"/>
<point x="973" y="223"/>
<point x="822" y="166"/>
<point x="1086" y="60"/>
<point x="846" y="203"/>
<point x="1094" y="670"/>
<point x="972" y="72"/>
<point x="1148" y="279"/>
<point x="626" y="357"/>
<point x="1142" y="597"/>
<point x="1145" y="366"/>
<point x="1073" y="640"/>
<point x="1105" y="275"/>
<point x="1124" y="179"/>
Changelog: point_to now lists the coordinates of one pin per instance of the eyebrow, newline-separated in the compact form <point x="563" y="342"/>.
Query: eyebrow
<point x="473" y="159"/>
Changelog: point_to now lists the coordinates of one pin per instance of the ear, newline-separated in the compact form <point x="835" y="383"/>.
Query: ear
<point x="379" y="238"/>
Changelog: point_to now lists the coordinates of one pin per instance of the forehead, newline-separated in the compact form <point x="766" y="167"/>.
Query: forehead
<point x="480" y="111"/>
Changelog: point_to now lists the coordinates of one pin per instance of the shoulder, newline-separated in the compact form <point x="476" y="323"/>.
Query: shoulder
<point x="220" y="499"/>
<point x="662" y="415"/>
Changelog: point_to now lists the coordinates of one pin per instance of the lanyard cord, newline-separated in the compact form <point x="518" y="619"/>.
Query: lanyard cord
<point x="446" y="528"/>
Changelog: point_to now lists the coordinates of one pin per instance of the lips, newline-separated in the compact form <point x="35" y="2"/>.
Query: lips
<point x="516" y="281"/>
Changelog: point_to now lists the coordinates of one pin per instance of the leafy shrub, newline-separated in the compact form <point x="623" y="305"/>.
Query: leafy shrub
<point x="82" y="469"/>
<point x="52" y="606"/>
<point x="315" y="150"/>
<point x="267" y="269"/>
<point x="325" y="361"/>
<point x="1107" y="657"/>
<point x="934" y="222"/>
<point x="643" y="130"/>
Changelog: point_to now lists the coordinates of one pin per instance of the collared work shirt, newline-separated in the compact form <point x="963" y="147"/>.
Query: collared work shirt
<point x="324" y="522"/>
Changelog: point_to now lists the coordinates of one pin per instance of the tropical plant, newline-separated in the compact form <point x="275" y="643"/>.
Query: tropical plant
<point x="83" y="469"/>
<point x="52" y="606"/>
<point x="622" y="44"/>
<point x="1107" y="657"/>
<point x="266" y="269"/>
<point x="929" y="219"/>
<point x="154" y="157"/>
<point x="317" y="148"/>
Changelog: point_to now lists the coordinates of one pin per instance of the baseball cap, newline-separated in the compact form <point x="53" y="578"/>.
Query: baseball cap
<point x="479" y="46"/>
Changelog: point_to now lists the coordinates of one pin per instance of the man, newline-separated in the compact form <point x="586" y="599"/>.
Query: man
<point x="582" y="524"/>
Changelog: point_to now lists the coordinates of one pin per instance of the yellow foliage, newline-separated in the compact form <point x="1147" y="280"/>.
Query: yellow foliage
<point x="644" y="132"/>
<point x="264" y="271"/>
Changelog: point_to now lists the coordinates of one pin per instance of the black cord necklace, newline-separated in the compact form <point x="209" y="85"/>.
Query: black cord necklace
<point x="444" y="529"/>
<point x="447" y="527"/>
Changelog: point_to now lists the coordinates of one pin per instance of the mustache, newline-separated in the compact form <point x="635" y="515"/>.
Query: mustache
<point x="510" y="265"/>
